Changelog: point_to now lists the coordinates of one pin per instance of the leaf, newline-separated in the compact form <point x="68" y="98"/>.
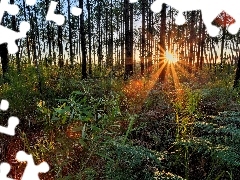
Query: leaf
<point x="83" y="131"/>
<point x="76" y="129"/>
<point x="104" y="156"/>
<point x="78" y="92"/>
<point x="95" y="128"/>
<point x="81" y="141"/>
<point x="55" y="118"/>
<point x="62" y="100"/>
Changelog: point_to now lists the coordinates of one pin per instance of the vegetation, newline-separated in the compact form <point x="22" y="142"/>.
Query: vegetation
<point x="110" y="98"/>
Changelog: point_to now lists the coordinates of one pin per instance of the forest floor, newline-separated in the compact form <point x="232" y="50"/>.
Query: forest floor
<point x="106" y="128"/>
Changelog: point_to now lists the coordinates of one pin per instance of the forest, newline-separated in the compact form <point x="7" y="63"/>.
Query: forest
<point x="122" y="93"/>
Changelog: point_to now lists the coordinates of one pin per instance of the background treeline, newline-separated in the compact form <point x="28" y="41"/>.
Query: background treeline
<point x="120" y="36"/>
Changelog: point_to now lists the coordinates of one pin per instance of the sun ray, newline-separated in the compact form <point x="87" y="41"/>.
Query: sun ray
<point x="176" y="82"/>
<point x="134" y="87"/>
<point x="183" y="71"/>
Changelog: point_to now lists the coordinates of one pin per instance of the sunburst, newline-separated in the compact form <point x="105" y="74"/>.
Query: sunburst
<point x="170" y="58"/>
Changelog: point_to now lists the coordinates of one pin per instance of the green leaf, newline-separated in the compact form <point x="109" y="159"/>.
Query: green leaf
<point x="83" y="131"/>
<point x="55" y="118"/>
<point x="78" y="92"/>
<point x="62" y="100"/>
<point x="81" y="141"/>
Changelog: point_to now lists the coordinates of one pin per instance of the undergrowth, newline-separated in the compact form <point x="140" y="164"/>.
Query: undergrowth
<point x="107" y="128"/>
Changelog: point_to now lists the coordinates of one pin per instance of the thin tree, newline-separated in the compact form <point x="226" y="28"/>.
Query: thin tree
<point x="89" y="38"/>
<point x="143" y="40"/>
<point x="14" y="27"/>
<point x="60" y="39"/>
<point x="163" y="66"/>
<point x="70" y="32"/>
<point x="128" y="38"/>
<point x="83" y="43"/>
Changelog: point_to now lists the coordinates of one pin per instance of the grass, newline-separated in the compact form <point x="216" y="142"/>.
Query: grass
<point x="107" y="128"/>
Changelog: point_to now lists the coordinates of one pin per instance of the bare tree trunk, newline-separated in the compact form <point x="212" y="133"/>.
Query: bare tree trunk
<point x="237" y="76"/>
<point x="89" y="38"/>
<point x="60" y="44"/>
<point x="83" y="42"/>
<point x="14" y="27"/>
<point x="223" y="40"/>
<point x="128" y="39"/>
<point x="27" y="40"/>
<point x="162" y="43"/>
<point x="143" y="41"/>
<point x="4" y="60"/>
<point x="49" y="36"/>
<point x="202" y="47"/>
<point x="70" y="33"/>
<point x="99" y="51"/>
<point x="191" y="55"/>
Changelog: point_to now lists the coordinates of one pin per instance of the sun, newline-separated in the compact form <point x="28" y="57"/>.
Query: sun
<point x="170" y="58"/>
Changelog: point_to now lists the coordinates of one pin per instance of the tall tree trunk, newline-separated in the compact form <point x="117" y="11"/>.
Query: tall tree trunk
<point x="99" y="51"/>
<point x="83" y="43"/>
<point x="237" y="76"/>
<point x="70" y="32"/>
<point x="60" y="44"/>
<point x="131" y="40"/>
<point x="49" y="35"/>
<point x="128" y="34"/>
<point x="89" y="38"/>
<point x="27" y="40"/>
<point x="110" y="44"/>
<point x="36" y="59"/>
<point x="150" y="35"/>
<point x="223" y="39"/>
<point x="14" y="27"/>
<point x="162" y="43"/>
<point x="143" y="41"/>
<point x="122" y="35"/>
<point x="4" y="60"/>
<point x="202" y="47"/>
<point x="191" y="55"/>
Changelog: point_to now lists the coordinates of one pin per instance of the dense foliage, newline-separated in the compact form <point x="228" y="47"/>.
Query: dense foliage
<point x="113" y="129"/>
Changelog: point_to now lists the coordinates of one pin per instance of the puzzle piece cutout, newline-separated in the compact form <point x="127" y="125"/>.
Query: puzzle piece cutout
<point x="30" y="2"/>
<point x="4" y="170"/>
<point x="76" y="11"/>
<point x="210" y="10"/>
<point x="51" y="16"/>
<point x="31" y="171"/>
<point x="10" y="8"/>
<point x="4" y="105"/>
<point x="9" y="36"/>
<point x="12" y="121"/>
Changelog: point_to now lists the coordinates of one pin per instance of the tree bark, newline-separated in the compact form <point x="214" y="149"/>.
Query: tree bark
<point x="162" y="44"/>
<point x="83" y="43"/>
<point x="237" y="76"/>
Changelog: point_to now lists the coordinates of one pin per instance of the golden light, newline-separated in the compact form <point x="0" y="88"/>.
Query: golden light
<point x="170" y="57"/>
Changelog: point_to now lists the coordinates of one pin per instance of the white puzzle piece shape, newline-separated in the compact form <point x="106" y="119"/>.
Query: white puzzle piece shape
<point x="9" y="36"/>
<point x="31" y="171"/>
<point x="30" y="2"/>
<point x="12" y="124"/>
<point x="51" y="16"/>
<point x="12" y="9"/>
<point x="210" y="10"/>
<point x="4" y="105"/>
<point x="76" y="11"/>
<point x="4" y="170"/>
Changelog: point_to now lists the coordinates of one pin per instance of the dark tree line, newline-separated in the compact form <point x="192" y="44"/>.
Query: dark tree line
<point x="118" y="36"/>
